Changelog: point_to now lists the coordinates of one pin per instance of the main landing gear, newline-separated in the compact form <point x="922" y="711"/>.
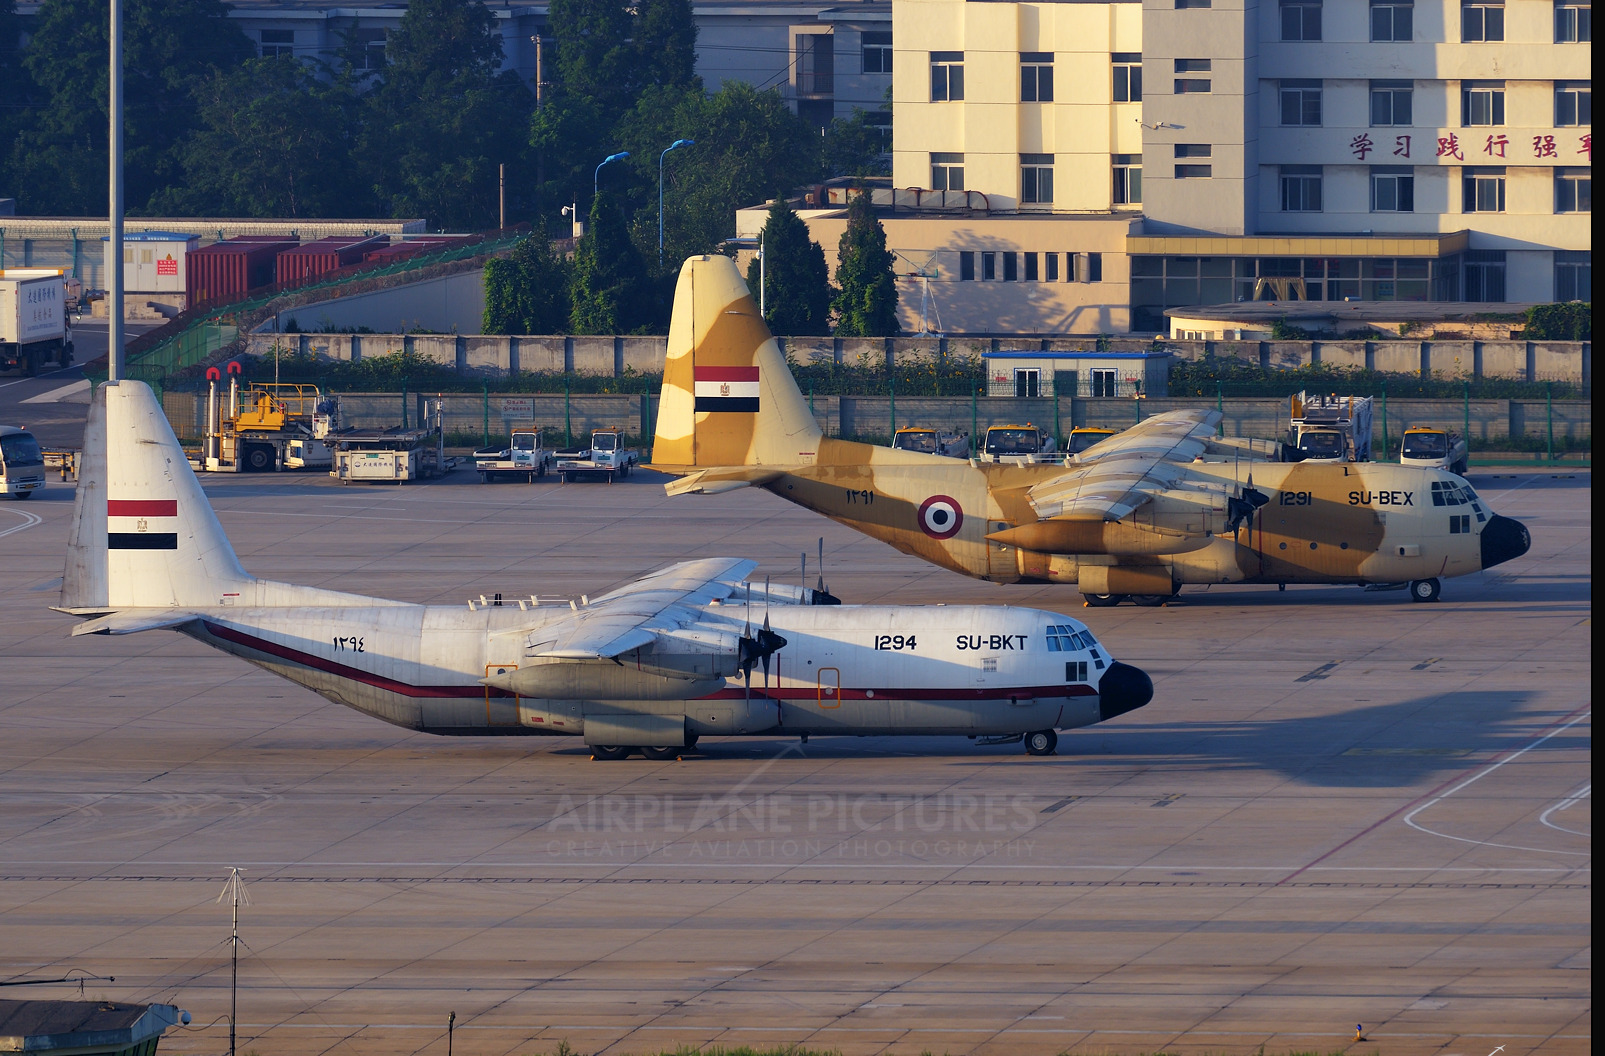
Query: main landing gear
<point x="1425" y="589"/>
<point x="665" y="753"/>
<point x="1042" y="742"/>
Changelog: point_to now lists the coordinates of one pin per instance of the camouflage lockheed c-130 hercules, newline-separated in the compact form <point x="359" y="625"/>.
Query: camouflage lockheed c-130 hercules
<point x="1160" y="505"/>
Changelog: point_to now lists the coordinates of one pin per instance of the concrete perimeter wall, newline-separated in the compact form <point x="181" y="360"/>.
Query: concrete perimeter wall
<point x="1265" y="417"/>
<point x="491" y="355"/>
<point x="452" y="303"/>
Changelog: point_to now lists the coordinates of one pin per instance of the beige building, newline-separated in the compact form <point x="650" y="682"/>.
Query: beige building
<point x="1210" y="151"/>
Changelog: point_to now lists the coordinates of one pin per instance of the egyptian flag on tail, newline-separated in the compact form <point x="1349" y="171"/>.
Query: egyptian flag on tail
<point x="142" y="524"/>
<point x="726" y="388"/>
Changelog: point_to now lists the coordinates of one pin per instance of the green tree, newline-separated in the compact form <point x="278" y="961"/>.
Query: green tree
<point x="169" y="48"/>
<point x="796" y="282"/>
<point x="665" y="39"/>
<point x="858" y="146"/>
<point x="13" y="79"/>
<point x="434" y="125"/>
<point x="596" y="59"/>
<point x="610" y="281"/>
<point x="275" y="140"/>
<point x="526" y="292"/>
<point x="749" y="147"/>
<point x="866" y="305"/>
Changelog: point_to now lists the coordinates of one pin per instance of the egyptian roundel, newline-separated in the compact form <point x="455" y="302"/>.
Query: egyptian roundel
<point x="940" y="517"/>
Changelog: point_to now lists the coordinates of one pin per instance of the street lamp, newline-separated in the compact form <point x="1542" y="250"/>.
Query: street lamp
<point x="596" y="182"/>
<point x="672" y="146"/>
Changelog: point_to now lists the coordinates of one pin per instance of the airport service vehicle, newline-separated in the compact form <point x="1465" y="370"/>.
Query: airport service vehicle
<point x="606" y="457"/>
<point x="1163" y="504"/>
<point x="267" y="426"/>
<point x="1084" y="437"/>
<point x="33" y="319"/>
<point x="651" y="666"/>
<point x="22" y="463"/>
<point x="1329" y="429"/>
<point x="522" y="457"/>
<point x="1432" y="448"/>
<point x="1018" y="445"/>
<point x="931" y="442"/>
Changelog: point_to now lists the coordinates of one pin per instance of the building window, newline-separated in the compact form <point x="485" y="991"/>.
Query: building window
<point x="1183" y="4"/>
<point x="278" y="43"/>
<point x="947" y="76"/>
<point x="1393" y="189"/>
<point x="366" y="48"/>
<point x="1036" y="77"/>
<point x="1128" y="76"/>
<point x="1482" y="102"/>
<point x="1301" y="19"/>
<point x="1484" y="274"/>
<point x="1574" y="103"/>
<point x="1573" y="191"/>
<point x="877" y="49"/>
<point x="1391" y="20"/>
<point x="1483" y="191"/>
<point x="1194" y="150"/>
<point x="1192" y="85"/>
<point x="1050" y="267"/>
<point x="1482" y="20"/>
<point x="989" y="266"/>
<point x="1011" y="266"/>
<point x="1036" y="179"/>
<point x="1572" y="21"/>
<point x="1028" y="382"/>
<point x="1127" y="179"/>
<point x="1031" y="273"/>
<point x="1193" y="172"/>
<point x="1301" y="188"/>
<point x="1391" y="102"/>
<point x="1301" y="102"/>
<point x="816" y="64"/>
<point x="1105" y="381"/>
<point x="1574" y="280"/>
<point x="967" y="266"/>
<point x="947" y="172"/>
<point x="1094" y="267"/>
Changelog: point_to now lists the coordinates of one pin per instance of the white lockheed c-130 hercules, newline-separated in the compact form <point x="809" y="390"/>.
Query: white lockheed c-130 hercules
<point x="650" y="666"/>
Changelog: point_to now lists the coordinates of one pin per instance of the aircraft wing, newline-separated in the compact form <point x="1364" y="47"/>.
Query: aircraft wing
<point x="633" y="616"/>
<point x="1110" y="480"/>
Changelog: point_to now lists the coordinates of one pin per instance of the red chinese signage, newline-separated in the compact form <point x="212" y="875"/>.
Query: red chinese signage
<point x="167" y="266"/>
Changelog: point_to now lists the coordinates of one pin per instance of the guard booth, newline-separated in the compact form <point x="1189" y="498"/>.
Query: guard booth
<point x="1087" y="374"/>
<point x="86" y="1028"/>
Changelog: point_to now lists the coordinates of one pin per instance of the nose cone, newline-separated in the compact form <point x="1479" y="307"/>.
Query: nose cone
<point x="1502" y="540"/>
<point x="1124" y="688"/>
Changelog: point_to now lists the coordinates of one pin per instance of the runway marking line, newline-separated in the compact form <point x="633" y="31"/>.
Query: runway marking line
<point x="1563" y="722"/>
<point x="64" y="392"/>
<point x="28" y="519"/>
<point x="1586" y="792"/>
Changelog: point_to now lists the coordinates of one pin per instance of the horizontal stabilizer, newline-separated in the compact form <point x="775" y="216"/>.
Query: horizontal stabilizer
<point x="132" y="621"/>
<point x="720" y="479"/>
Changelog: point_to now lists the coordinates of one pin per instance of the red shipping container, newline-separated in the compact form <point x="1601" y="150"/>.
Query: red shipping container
<point x="326" y="254"/>
<point x="229" y="269"/>
<point x="403" y="250"/>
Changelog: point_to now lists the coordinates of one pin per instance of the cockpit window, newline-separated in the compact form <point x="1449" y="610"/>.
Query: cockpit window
<point x="1066" y="639"/>
<point x="1013" y="442"/>
<point x="1425" y="445"/>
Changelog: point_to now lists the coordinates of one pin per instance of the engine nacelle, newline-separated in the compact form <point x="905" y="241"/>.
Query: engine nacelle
<point x="598" y="680"/>
<point x="1115" y="538"/>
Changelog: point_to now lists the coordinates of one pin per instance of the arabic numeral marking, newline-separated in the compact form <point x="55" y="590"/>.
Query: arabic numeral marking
<point x="860" y="495"/>
<point x="350" y="643"/>
<point x="895" y="642"/>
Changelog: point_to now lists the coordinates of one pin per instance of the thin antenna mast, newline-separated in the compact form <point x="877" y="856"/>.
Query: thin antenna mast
<point x="234" y="890"/>
<point x="114" y="244"/>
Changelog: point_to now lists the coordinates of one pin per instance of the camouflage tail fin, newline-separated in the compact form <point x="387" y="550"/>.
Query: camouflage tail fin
<point x="728" y="397"/>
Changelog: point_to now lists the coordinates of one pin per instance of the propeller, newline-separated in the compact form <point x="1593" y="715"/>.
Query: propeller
<point x="756" y="649"/>
<point x="1241" y="508"/>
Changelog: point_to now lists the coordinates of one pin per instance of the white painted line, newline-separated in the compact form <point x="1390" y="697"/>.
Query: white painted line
<point x="1569" y="801"/>
<point x="66" y="392"/>
<point x="29" y="520"/>
<point x="1409" y="819"/>
<point x="36" y="377"/>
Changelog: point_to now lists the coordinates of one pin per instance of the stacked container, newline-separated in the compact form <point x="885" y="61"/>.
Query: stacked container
<point x="326" y="254"/>
<point x="230" y="269"/>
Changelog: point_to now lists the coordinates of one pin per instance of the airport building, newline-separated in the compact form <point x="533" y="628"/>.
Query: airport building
<point x="1082" y="167"/>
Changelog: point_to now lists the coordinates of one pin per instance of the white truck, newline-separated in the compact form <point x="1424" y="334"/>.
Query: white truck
<point x="1019" y="445"/>
<point x="522" y="457"/>
<point x="33" y="319"/>
<point x="1328" y="429"/>
<point x="606" y="457"/>
<point x="22" y="464"/>
<point x="1433" y="448"/>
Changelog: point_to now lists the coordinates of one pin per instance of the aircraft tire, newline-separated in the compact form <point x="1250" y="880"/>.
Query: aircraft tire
<point x="1102" y="601"/>
<point x="608" y="753"/>
<point x="1042" y="742"/>
<point x="1425" y="589"/>
<point x="661" y="754"/>
<point x="1150" y="601"/>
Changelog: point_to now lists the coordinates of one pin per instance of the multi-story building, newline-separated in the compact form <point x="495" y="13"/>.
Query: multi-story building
<point x="1208" y="151"/>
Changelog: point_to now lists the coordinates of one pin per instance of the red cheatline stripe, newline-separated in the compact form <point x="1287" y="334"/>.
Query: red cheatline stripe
<point x="142" y="507"/>
<point x="725" y="373"/>
<point x="367" y="678"/>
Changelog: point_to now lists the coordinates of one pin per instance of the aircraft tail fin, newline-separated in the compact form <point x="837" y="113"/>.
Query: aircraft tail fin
<point x="143" y="533"/>
<point x="728" y="397"/>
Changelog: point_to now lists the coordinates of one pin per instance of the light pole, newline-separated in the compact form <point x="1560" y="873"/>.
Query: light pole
<point x="672" y="146"/>
<point x="596" y="181"/>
